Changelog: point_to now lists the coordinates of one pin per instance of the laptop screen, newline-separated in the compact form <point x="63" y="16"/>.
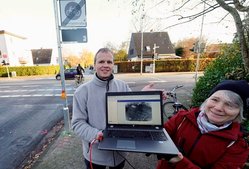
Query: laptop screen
<point x="134" y="108"/>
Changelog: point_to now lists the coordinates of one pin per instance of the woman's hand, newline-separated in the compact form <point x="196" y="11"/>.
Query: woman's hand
<point x="176" y="159"/>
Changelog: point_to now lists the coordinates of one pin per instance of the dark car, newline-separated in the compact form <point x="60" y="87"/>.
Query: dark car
<point x="69" y="74"/>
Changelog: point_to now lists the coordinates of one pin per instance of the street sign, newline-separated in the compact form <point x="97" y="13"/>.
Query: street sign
<point x="74" y="35"/>
<point x="73" y="13"/>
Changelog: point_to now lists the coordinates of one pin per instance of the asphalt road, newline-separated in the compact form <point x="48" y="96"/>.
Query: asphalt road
<point x="28" y="110"/>
<point x="30" y="107"/>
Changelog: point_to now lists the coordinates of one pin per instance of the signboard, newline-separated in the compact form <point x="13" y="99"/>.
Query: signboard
<point x="73" y="13"/>
<point x="74" y="35"/>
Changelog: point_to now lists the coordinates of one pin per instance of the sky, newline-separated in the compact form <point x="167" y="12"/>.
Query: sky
<point x="107" y="21"/>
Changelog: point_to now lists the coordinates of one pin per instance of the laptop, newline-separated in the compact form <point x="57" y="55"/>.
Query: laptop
<point x="134" y="123"/>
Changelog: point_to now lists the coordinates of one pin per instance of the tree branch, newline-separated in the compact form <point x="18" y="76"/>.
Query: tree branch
<point x="181" y="6"/>
<point x="240" y="7"/>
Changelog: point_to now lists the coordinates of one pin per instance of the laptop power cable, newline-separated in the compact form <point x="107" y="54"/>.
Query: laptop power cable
<point x="126" y="160"/>
<point x="91" y="144"/>
<point x="100" y="138"/>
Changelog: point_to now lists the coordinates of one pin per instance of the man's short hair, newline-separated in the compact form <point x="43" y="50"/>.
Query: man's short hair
<point x="102" y="50"/>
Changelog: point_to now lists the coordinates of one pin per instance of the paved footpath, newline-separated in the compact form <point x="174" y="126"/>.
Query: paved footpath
<point x="66" y="153"/>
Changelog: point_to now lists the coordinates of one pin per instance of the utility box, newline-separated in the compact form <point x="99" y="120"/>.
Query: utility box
<point x="115" y="69"/>
<point x="13" y="74"/>
<point x="148" y="69"/>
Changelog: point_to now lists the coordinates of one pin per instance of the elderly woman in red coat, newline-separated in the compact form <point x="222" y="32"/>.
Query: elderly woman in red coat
<point x="210" y="137"/>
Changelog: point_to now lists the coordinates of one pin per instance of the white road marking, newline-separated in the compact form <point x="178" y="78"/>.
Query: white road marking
<point x="35" y="93"/>
<point x="157" y="81"/>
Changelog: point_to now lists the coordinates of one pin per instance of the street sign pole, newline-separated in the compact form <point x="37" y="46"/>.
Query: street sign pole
<point x="72" y="25"/>
<point x="67" y="125"/>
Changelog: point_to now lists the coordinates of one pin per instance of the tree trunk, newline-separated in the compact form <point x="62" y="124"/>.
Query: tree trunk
<point x="240" y="32"/>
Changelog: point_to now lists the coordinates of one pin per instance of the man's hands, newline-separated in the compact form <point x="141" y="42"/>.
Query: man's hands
<point x="148" y="87"/>
<point x="99" y="136"/>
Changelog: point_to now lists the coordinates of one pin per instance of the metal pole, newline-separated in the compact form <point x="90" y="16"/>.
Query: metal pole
<point x="67" y="124"/>
<point x="154" y="58"/>
<point x="199" y="48"/>
<point x="142" y="44"/>
<point x="8" y="72"/>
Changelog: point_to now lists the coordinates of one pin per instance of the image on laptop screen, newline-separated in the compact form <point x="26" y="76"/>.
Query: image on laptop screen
<point x="134" y="109"/>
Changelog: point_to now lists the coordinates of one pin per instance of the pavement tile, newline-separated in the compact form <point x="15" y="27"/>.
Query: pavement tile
<point x="66" y="153"/>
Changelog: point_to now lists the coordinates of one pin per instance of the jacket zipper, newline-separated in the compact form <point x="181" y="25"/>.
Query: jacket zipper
<point x="193" y="146"/>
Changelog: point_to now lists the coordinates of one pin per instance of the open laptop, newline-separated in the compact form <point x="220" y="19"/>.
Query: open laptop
<point x="134" y="123"/>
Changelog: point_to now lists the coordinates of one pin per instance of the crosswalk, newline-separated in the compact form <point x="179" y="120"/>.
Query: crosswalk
<point x="49" y="92"/>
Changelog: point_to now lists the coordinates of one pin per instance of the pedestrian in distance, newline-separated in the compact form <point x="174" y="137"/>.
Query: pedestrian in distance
<point x="211" y="137"/>
<point x="88" y="119"/>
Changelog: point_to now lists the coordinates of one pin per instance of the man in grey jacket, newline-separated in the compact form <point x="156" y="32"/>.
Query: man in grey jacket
<point x="89" y="112"/>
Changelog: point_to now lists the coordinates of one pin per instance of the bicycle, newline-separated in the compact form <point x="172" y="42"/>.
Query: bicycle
<point x="171" y="106"/>
<point x="79" y="79"/>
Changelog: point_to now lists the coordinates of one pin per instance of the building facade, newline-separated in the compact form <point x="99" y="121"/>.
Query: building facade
<point x="14" y="51"/>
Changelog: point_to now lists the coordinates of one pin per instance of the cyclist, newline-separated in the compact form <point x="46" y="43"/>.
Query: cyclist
<point x="80" y="71"/>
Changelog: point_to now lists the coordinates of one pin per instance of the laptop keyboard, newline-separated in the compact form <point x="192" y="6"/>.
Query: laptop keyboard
<point x="146" y="135"/>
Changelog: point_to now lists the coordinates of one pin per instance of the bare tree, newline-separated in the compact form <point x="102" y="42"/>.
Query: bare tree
<point x="236" y="8"/>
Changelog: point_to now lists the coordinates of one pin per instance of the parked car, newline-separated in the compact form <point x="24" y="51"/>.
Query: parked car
<point x="69" y="74"/>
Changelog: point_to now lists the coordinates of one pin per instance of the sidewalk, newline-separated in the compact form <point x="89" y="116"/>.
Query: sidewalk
<point x="66" y="153"/>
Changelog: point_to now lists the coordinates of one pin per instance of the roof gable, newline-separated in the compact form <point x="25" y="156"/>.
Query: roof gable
<point x="160" y="39"/>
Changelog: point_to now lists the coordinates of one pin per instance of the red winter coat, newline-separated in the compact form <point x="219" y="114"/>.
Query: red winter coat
<point x="224" y="149"/>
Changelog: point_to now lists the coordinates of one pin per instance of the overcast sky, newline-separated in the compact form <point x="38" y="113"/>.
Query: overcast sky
<point x="106" y="22"/>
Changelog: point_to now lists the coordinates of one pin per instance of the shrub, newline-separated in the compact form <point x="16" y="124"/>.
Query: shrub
<point x="29" y="70"/>
<point x="228" y="65"/>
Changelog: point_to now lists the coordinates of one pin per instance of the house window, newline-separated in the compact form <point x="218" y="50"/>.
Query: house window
<point x="131" y="52"/>
<point x="147" y="48"/>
